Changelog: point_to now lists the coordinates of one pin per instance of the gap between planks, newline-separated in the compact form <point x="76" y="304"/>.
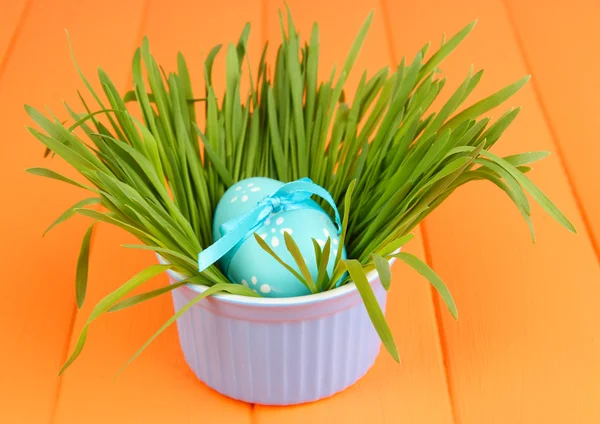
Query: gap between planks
<point x="15" y="36"/>
<point x="442" y="340"/>
<point x="553" y="133"/>
<point x="75" y="311"/>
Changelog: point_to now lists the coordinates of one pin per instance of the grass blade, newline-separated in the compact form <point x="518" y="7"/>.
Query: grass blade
<point x="71" y="211"/>
<point x="445" y="50"/>
<point x="48" y="173"/>
<point x="140" y="298"/>
<point x="383" y="269"/>
<point x="81" y="276"/>
<point x="217" y="288"/>
<point x="292" y="247"/>
<point x="275" y="256"/>
<point x="486" y="104"/>
<point x="526" y="158"/>
<point x="537" y="194"/>
<point x="373" y="309"/>
<point x="424" y="269"/>
<point x="107" y="302"/>
<point x="322" y="262"/>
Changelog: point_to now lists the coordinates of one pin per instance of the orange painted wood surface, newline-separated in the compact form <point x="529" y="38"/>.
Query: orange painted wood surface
<point x="525" y="349"/>
<point x="528" y="350"/>
<point x="570" y="104"/>
<point x="13" y="15"/>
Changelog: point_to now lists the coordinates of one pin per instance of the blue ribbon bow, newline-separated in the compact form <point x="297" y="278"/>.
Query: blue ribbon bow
<point x="290" y="196"/>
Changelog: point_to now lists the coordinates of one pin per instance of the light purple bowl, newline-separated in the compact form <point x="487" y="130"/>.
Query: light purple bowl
<point x="278" y="351"/>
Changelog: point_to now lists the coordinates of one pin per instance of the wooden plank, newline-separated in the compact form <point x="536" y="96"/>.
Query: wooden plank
<point x="562" y="36"/>
<point x="416" y="390"/>
<point x="158" y="386"/>
<point x="525" y="348"/>
<point x="37" y="304"/>
<point x="12" y="16"/>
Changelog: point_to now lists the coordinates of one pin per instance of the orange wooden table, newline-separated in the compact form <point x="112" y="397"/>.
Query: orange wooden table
<point x="527" y="346"/>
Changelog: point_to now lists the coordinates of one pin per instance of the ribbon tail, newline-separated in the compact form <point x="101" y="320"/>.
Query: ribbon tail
<point x="230" y="239"/>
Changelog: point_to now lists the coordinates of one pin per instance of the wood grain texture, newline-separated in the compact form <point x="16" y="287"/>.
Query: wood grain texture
<point x="414" y="391"/>
<point x="566" y="34"/>
<point x="158" y="386"/>
<point x="525" y="348"/>
<point x="37" y="303"/>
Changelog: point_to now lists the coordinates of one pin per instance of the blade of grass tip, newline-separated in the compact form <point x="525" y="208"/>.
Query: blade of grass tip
<point x="524" y="169"/>
<point x="242" y="43"/>
<point x="347" y="203"/>
<point x="232" y="87"/>
<point x="350" y="59"/>
<point x="186" y="82"/>
<point x="208" y="65"/>
<point x="317" y="249"/>
<point x="395" y="244"/>
<point x="520" y="197"/>
<point x="373" y="309"/>
<point x="504" y="187"/>
<point x="89" y="86"/>
<point x="68" y="151"/>
<point x="445" y="50"/>
<point x="71" y="211"/>
<point x="48" y="173"/>
<point x="424" y="269"/>
<point x="383" y="269"/>
<point x="131" y="96"/>
<point x="88" y="117"/>
<point x="81" y="276"/>
<point x="107" y="302"/>
<point x="493" y="133"/>
<point x="76" y="352"/>
<point x="487" y="104"/>
<point x="215" y="159"/>
<point x="292" y="247"/>
<point x="275" y="256"/>
<point x="356" y="46"/>
<point x="322" y="262"/>
<point x="521" y="159"/>
<point x="537" y="194"/>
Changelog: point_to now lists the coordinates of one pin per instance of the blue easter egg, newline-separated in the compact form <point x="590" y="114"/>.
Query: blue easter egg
<point x="249" y="264"/>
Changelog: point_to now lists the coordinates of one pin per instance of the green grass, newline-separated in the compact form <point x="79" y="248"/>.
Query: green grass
<point x="161" y="177"/>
